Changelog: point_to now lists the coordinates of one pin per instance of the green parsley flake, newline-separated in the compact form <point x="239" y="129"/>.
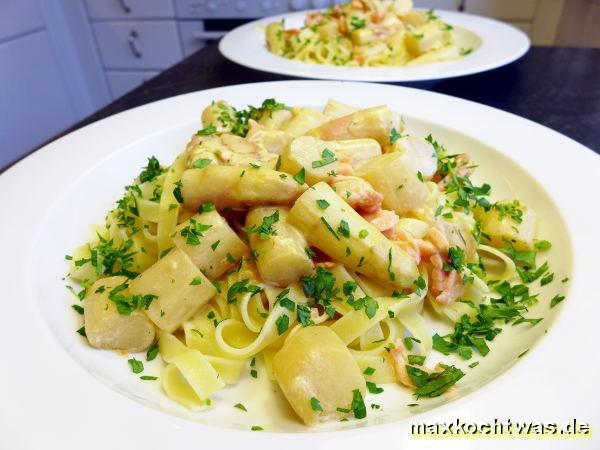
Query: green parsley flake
<point x="323" y="204"/>
<point x="137" y="366"/>
<point x="265" y="229"/>
<point x="344" y="229"/>
<point x="300" y="176"/>
<point x="373" y="388"/>
<point x="315" y="404"/>
<point x="556" y="300"/>
<point x="369" y="371"/>
<point x="202" y="163"/>
<point x="152" y="352"/>
<point x="282" y="322"/>
<point x="330" y="228"/>
<point x="207" y="131"/>
<point x="358" y="405"/>
<point x="328" y="157"/>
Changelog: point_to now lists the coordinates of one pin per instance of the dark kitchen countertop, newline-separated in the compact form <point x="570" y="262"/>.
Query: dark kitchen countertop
<point x="557" y="87"/>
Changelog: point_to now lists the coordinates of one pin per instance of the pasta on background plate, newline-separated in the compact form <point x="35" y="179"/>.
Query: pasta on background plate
<point x="367" y="33"/>
<point x="312" y="240"/>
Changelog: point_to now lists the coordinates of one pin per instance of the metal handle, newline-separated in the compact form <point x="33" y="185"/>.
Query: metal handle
<point x="125" y="6"/>
<point x="133" y="43"/>
<point x="208" y="35"/>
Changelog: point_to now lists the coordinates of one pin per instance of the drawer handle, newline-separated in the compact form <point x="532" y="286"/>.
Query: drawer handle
<point x="125" y="6"/>
<point x="133" y="43"/>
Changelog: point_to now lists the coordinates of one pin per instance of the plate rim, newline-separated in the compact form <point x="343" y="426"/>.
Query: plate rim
<point x="282" y="66"/>
<point x="183" y="430"/>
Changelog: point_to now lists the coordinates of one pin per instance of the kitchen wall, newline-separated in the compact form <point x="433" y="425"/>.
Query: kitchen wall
<point x="60" y="60"/>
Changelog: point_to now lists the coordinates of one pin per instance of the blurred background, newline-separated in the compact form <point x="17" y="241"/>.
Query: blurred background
<point x="61" y="60"/>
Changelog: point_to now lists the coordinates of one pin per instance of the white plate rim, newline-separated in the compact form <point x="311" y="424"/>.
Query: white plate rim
<point x="501" y="44"/>
<point x="30" y="396"/>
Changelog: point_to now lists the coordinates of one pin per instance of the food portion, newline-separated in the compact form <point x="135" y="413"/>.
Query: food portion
<point x="367" y="33"/>
<point x="309" y="247"/>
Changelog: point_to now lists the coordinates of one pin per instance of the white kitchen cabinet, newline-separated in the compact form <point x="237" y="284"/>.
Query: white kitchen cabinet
<point x="18" y="17"/>
<point x="123" y="81"/>
<point x="33" y="108"/>
<point x="130" y="9"/>
<point x="138" y="44"/>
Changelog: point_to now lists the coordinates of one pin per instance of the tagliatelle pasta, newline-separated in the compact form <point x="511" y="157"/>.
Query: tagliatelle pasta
<point x="367" y="33"/>
<point x="319" y="241"/>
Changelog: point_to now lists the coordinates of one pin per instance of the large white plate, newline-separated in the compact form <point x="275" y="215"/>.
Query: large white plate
<point x="496" y="44"/>
<point x="57" y="393"/>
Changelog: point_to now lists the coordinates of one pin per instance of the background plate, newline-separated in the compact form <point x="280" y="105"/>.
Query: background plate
<point x="498" y="44"/>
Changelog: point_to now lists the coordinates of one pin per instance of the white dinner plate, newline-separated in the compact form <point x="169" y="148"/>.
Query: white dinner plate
<point x="495" y="44"/>
<point x="56" y="392"/>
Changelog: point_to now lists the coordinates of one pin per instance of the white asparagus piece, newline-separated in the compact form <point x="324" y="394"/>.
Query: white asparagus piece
<point x="372" y="255"/>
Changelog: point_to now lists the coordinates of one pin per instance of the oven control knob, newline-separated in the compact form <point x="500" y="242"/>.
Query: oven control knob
<point x="299" y="4"/>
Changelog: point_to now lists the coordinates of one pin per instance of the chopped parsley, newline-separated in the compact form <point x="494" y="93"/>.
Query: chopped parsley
<point x="356" y="23"/>
<point x="369" y="371"/>
<point x="196" y="281"/>
<point x="467" y="194"/>
<point x="193" y="232"/>
<point x="556" y="300"/>
<point x="373" y="388"/>
<point x="126" y="304"/>
<point x="344" y="229"/>
<point x="315" y="404"/>
<point x="151" y="171"/>
<point x="300" y="176"/>
<point x="148" y="378"/>
<point x="240" y="406"/>
<point x="328" y="157"/>
<point x="137" y="366"/>
<point x="323" y="204"/>
<point x="394" y="136"/>
<point x="283" y="323"/>
<point x="358" y="405"/>
<point x="542" y="245"/>
<point x="330" y="228"/>
<point x="78" y="308"/>
<point x="435" y="383"/>
<point x="207" y="131"/>
<point x="265" y="229"/>
<point x="202" y="163"/>
<point x="237" y="120"/>
<point x="241" y="287"/>
<point x="152" y="352"/>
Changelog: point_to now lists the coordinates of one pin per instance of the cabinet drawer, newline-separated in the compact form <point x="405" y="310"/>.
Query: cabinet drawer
<point x="194" y="37"/>
<point x="505" y="9"/>
<point x="123" y="81"/>
<point x="138" y="45"/>
<point x="130" y="9"/>
<point x="235" y="8"/>
<point x="18" y="17"/>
